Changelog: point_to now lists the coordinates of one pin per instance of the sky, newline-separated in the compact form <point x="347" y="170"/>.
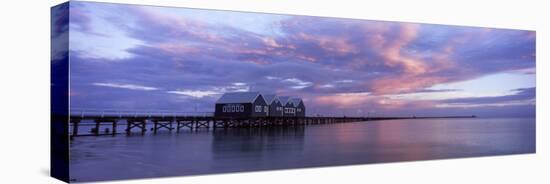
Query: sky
<point x="146" y="58"/>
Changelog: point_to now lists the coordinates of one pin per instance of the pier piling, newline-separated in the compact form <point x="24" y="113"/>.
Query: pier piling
<point x="196" y="122"/>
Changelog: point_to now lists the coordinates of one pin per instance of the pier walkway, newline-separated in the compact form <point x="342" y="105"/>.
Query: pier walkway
<point x="176" y="121"/>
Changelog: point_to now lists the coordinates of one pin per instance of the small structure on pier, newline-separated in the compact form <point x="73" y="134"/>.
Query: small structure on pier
<point x="275" y="106"/>
<point x="241" y="105"/>
<point x="299" y="106"/>
<point x="255" y="104"/>
<point x="288" y="108"/>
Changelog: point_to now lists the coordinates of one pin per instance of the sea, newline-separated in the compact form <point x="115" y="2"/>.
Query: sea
<point x="202" y="151"/>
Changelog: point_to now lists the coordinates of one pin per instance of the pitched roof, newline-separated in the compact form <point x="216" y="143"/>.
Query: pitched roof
<point x="295" y="101"/>
<point x="284" y="99"/>
<point x="238" y="97"/>
<point x="269" y="98"/>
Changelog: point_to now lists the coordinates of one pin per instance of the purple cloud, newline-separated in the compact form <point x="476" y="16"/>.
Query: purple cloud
<point x="522" y="94"/>
<point x="334" y="64"/>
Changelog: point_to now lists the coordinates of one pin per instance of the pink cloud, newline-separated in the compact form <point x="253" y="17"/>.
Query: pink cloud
<point x="358" y="100"/>
<point x="176" y="48"/>
<point x="404" y="83"/>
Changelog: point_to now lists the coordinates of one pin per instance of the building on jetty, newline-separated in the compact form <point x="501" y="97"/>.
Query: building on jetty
<point x="241" y="105"/>
<point x="300" y="108"/>
<point x="255" y="104"/>
<point x="275" y="106"/>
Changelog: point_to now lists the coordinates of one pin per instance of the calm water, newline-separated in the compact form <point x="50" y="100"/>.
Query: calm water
<point x="202" y="152"/>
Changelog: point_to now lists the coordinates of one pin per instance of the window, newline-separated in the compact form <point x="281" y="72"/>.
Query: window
<point x="266" y="109"/>
<point x="258" y="108"/>
<point x="233" y="108"/>
<point x="290" y="110"/>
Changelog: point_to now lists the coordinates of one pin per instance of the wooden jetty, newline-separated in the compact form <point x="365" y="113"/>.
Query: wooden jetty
<point x="177" y="122"/>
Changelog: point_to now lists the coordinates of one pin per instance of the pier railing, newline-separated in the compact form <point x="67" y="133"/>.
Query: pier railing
<point x="171" y="120"/>
<point x="93" y="113"/>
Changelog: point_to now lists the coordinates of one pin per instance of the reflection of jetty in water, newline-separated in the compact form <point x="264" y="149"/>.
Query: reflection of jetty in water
<point x="256" y="140"/>
<point x="256" y="143"/>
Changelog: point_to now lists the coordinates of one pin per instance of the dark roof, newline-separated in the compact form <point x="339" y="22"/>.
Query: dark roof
<point x="238" y="97"/>
<point x="269" y="98"/>
<point x="295" y="101"/>
<point x="284" y="99"/>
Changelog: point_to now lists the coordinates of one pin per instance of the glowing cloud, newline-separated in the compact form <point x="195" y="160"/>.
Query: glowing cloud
<point x="334" y="64"/>
<point x="126" y="86"/>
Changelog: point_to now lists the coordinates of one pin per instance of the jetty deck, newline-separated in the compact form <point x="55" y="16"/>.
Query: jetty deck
<point x="193" y="121"/>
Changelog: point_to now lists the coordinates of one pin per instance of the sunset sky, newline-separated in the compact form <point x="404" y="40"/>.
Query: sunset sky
<point x="131" y="57"/>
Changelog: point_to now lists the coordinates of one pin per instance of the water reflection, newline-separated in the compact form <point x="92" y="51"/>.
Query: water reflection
<point x="258" y="148"/>
<point x="256" y="142"/>
<point x="231" y="150"/>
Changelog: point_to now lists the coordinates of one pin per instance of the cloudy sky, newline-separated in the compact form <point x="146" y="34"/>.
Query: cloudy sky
<point x="176" y="59"/>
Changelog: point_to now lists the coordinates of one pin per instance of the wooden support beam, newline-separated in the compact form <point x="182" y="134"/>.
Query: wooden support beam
<point x="196" y="122"/>
<point x="75" y="127"/>
<point x="143" y="128"/>
<point x="139" y="123"/>
<point x="97" y="122"/>
<point x="170" y="128"/>
<point x="203" y="123"/>
<point x="129" y="126"/>
<point x="114" y="127"/>
<point x="219" y="123"/>
<point x="184" y="123"/>
<point x="155" y="128"/>
<point x="158" y="124"/>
